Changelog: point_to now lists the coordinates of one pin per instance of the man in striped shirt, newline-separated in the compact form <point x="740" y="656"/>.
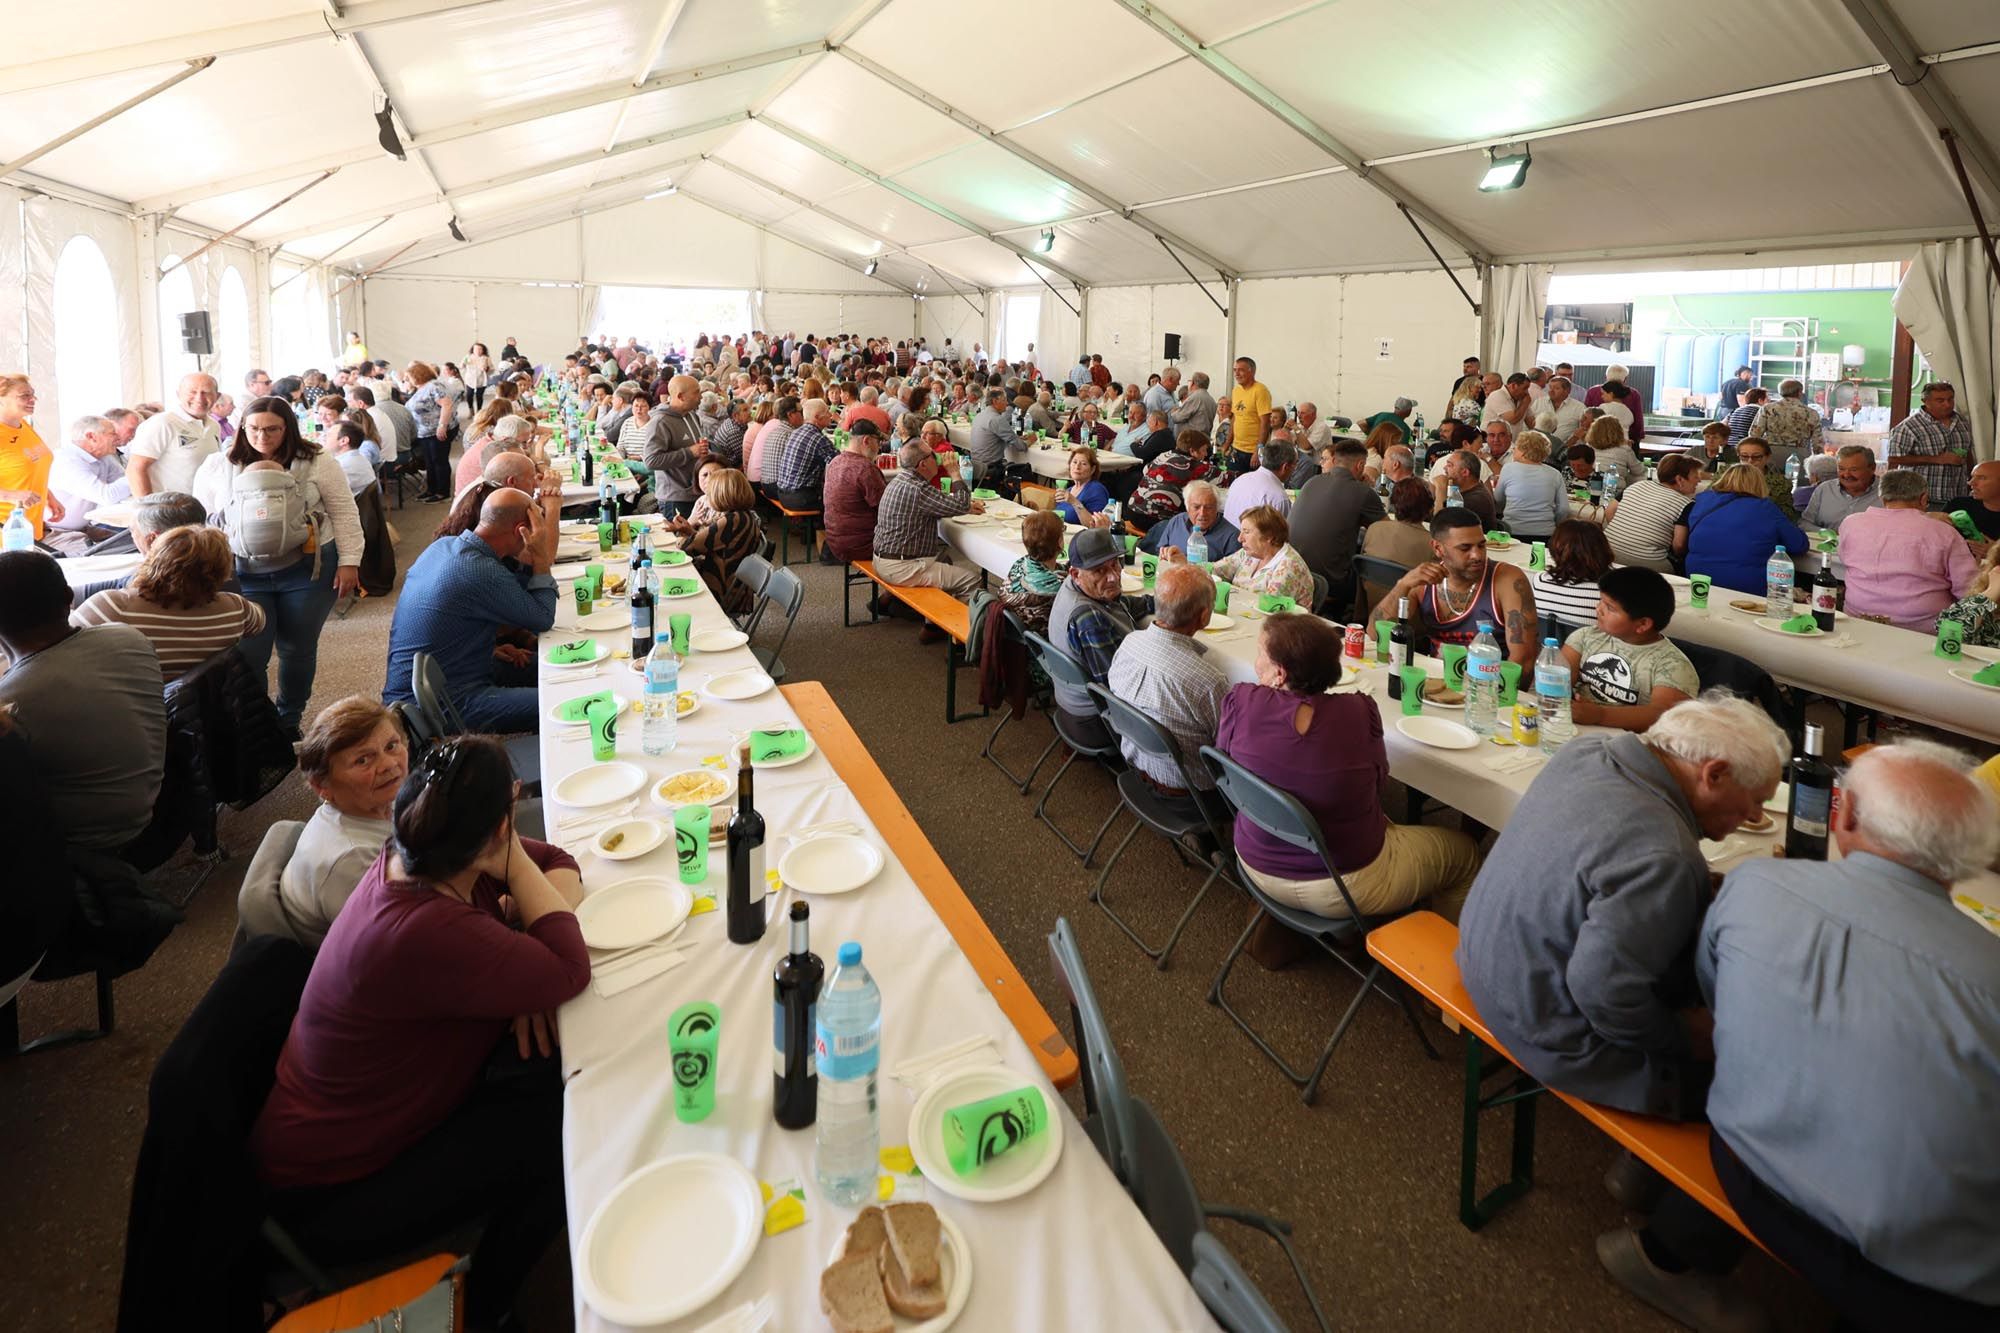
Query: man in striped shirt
<point x="1935" y="443"/>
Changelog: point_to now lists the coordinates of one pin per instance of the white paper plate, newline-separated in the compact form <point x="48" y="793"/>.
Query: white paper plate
<point x="1976" y="653"/>
<point x="1781" y="800"/>
<point x="1798" y="608"/>
<point x="1778" y="627"/>
<point x="608" y="619"/>
<point x="788" y="760"/>
<point x="717" y="640"/>
<point x="642" y="835"/>
<point x="670" y="1239"/>
<point x="1440" y="732"/>
<point x="1132" y="581"/>
<point x="834" y="864"/>
<point x="722" y="790"/>
<point x="633" y="911"/>
<point x="1218" y="621"/>
<point x="557" y="720"/>
<point x="1966" y="674"/>
<point x="745" y="684"/>
<point x="954" y="1275"/>
<point x="599" y="784"/>
<point x="1007" y="1176"/>
<point x="603" y="651"/>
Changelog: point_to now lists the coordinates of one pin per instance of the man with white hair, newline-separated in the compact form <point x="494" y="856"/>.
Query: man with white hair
<point x="171" y="445"/>
<point x="1166" y="673"/>
<point x="865" y="408"/>
<point x="1196" y="411"/>
<point x="808" y="450"/>
<point x="86" y="473"/>
<point x="1575" y="938"/>
<point x="1163" y="397"/>
<point x="1857" y="1065"/>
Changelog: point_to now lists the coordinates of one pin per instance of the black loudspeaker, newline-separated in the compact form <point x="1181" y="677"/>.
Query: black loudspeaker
<point x="1172" y="350"/>
<point x="194" y="333"/>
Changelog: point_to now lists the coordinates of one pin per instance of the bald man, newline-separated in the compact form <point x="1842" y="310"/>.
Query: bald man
<point x="170" y="445"/>
<point x="458" y="597"/>
<point x="676" y="450"/>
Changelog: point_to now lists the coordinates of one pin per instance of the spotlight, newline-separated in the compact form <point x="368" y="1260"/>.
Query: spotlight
<point x="869" y="268"/>
<point x="456" y="234"/>
<point x="662" y="194"/>
<point x="1048" y="241"/>
<point x="385" y="131"/>
<point x="1505" y="173"/>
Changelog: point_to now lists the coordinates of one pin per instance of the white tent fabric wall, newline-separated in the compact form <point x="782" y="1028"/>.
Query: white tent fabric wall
<point x="50" y="225"/>
<point x="1950" y="305"/>
<point x="543" y="318"/>
<point x="1512" y="315"/>
<point x="948" y="315"/>
<point x="13" y="293"/>
<point x="428" y="319"/>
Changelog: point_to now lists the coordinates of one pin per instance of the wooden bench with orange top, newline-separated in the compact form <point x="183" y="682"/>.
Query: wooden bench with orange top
<point x="1420" y="948"/>
<point x="892" y="819"/>
<point x="787" y="517"/>
<point x="935" y="607"/>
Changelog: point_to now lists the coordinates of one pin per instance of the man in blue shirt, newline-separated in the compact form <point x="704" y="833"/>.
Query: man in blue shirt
<point x="457" y="598"/>
<point x="1857" y="1065"/>
<point x="1203" y="514"/>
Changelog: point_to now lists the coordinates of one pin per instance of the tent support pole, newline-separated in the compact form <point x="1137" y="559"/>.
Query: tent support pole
<point x="1971" y="201"/>
<point x="1411" y="219"/>
<point x="194" y="67"/>
<point x="1192" y="278"/>
<point x="317" y="180"/>
<point x="363" y="277"/>
<point x="1059" y="296"/>
<point x="328" y="256"/>
<point x="1229" y="328"/>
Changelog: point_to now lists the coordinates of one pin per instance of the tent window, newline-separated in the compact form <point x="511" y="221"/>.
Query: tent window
<point x="1020" y="319"/>
<point x="176" y="299"/>
<point x="233" y="337"/>
<point x="669" y="316"/>
<point x="89" y="373"/>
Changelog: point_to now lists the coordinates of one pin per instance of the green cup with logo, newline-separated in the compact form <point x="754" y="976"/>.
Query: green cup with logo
<point x="1414" y="678"/>
<point x="1698" y="589"/>
<point x="1149" y="569"/>
<point x="1538" y="555"/>
<point x="1510" y="683"/>
<point x="694" y="1038"/>
<point x="583" y="598"/>
<point x="1950" y="640"/>
<point x="1454" y="666"/>
<point x="691" y="842"/>
<point x="602" y="714"/>
<point x="1222" y="591"/>
<point x="1383" y="629"/>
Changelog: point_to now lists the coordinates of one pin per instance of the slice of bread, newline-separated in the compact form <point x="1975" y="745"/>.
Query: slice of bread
<point x="850" y="1295"/>
<point x="906" y="1298"/>
<point x="913" y="1235"/>
<point x="866" y="1234"/>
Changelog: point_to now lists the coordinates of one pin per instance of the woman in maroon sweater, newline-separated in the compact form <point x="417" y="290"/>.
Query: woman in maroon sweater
<point x="403" y="1106"/>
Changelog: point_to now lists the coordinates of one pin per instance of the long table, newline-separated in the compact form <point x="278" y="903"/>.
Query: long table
<point x="1074" y="1252"/>
<point x="1048" y="458"/>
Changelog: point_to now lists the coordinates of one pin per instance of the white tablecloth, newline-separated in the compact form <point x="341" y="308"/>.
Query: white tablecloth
<point x="82" y="569"/>
<point x="1046" y="458"/>
<point x="1074" y="1253"/>
<point x="576" y="493"/>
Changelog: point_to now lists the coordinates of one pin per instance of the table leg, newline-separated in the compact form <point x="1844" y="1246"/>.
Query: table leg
<point x="1521" y="1091"/>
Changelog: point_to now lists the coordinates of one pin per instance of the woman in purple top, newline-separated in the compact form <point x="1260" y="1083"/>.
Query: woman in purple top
<point x="1326" y="750"/>
<point x="404" y="1106"/>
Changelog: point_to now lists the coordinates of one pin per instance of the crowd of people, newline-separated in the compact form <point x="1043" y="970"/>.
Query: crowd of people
<point x="1598" y="978"/>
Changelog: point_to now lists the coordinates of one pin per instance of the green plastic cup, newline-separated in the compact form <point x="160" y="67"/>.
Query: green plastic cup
<point x="602" y="714"/>
<point x="607" y="536"/>
<point x="1538" y="555"/>
<point x="1454" y="666"/>
<point x="1383" y="629"/>
<point x="694" y="1037"/>
<point x="1149" y="569"/>
<point x="678" y="625"/>
<point x="1222" y="591"/>
<point x="978" y="1132"/>
<point x="1131" y="546"/>
<point x="1510" y="683"/>
<point x="595" y="573"/>
<point x="1698" y="586"/>
<point x="583" y="597"/>
<point x="1413" y="690"/>
<point x="1950" y="639"/>
<point x="691" y="842"/>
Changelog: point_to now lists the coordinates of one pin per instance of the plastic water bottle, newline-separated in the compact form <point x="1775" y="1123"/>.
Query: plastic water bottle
<point x="847" y="1044"/>
<point x="19" y="534"/>
<point x="1778" y="575"/>
<point x="1482" y="681"/>
<point x="1453" y="497"/>
<point x="660" y="724"/>
<point x="1792" y="466"/>
<point x="1197" y="546"/>
<point x="1552" y="689"/>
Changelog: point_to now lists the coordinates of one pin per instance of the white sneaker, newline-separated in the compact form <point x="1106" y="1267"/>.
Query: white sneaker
<point x="1698" y="1300"/>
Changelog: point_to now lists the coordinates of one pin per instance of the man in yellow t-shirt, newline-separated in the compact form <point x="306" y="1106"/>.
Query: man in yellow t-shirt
<point x="24" y="459"/>
<point x="1249" y="406"/>
<point x="356" y="353"/>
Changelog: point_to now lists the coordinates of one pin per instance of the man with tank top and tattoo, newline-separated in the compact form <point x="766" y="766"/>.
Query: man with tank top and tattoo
<point x="1461" y="587"/>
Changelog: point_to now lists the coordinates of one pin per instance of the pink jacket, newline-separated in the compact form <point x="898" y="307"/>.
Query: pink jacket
<point x="1904" y="564"/>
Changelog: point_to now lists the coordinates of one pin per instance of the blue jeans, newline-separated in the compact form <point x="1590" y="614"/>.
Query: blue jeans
<point x="295" y="606"/>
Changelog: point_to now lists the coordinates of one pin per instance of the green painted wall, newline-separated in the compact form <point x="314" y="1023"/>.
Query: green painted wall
<point x="1863" y="317"/>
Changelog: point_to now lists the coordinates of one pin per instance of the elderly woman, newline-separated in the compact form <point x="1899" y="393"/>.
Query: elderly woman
<point x="718" y="547"/>
<point x="1613" y="450"/>
<point x="1266" y="562"/>
<point x="175" y="599"/>
<point x="1732" y="528"/>
<point x="354" y="757"/>
<point x="432" y="406"/>
<point x="1979" y="610"/>
<point x="1404" y="536"/>
<point x="1646" y="526"/>
<point x="402" y="1107"/>
<point x="1327" y="751"/>
<point x="1084" y="501"/>
<point x="1578" y="557"/>
<point x="1531" y="499"/>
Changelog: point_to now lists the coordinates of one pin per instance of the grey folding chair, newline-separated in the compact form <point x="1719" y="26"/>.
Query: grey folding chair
<point x="787" y="592"/>
<point x="1318" y="607"/>
<point x="1066" y="670"/>
<point x="1181" y="820"/>
<point x="1129" y="1136"/>
<point x="1375" y="571"/>
<point x="1011" y="626"/>
<point x="754" y="573"/>
<point x="1279" y="814"/>
<point x="442" y="719"/>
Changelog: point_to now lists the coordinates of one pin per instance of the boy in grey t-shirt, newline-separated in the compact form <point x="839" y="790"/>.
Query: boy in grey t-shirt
<point x="1626" y="671"/>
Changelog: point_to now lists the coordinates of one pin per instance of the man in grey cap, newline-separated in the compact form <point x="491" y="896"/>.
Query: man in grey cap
<point x="1088" y="620"/>
<point x="1398" y="416"/>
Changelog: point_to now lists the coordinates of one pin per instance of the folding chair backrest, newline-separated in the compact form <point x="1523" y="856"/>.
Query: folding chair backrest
<point x="417" y="730"/>
<point x="1129" y="724"/>
<point x="1717" y="667"/>
<point x="1106" y="1095"/>
<point x="753" y="571"/>
<point x="1379" y="570"/>
<point x="433" y="697"/>
<point x="1228" y="1292"/>
<point x="1319" y="594"/>
<point x="787" y="592"/>
<point x="1275" y="811"/>
<point x="1062" y="668"/>
<point x="259" y="907"/>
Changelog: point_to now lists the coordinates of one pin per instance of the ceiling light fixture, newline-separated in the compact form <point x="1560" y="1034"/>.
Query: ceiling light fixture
<point x="1048" y="241"/>
<point x="456" y="234"/>
<point x="1505" y="172"/>
<point x="662" y="194"/>
<point x="385" y="131"/>
<point x="868" y="269"/>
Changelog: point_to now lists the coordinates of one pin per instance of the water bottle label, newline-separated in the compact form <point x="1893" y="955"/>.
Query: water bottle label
<point x="1810" y="807"/>
<point x="1485" y="671"/>
<point x="778" y="1039"/>
<point x="848" y="1056"/>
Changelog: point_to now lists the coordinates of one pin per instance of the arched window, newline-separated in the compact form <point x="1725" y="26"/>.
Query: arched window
<point x="233" y="337"/>
<point x="176" y="299"/>
<point x="90" y="376"/>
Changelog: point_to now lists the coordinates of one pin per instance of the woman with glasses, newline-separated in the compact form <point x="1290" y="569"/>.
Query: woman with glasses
<point x="403" y="1105"/>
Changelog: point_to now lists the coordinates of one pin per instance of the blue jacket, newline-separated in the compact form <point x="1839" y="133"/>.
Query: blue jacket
<point x="1731" y="537"/>
<point x="1221" y="536"/>
<point x="455" y="599"/>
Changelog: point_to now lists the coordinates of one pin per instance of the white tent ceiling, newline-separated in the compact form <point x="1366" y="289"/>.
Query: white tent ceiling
<point x="1253" y="137"/>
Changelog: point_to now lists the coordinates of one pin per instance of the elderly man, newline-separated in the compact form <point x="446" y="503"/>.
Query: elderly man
<point x="1899" y="561"/>
<point x="1079" y="374"/>
<point x="1398" y="464"/>
<point x="125" y="422"/>
<point x="1088" y="620"/>
<point x="866" y="409"/>
<point x="808" y="450"/>
<point x="88" y="702"/>
<point x="457" y="598"/>
<point x="1514" y="407"/>
<point x="86" y="473"/>
<point x="1850" y="492"/>
<point x="169" y="447"/>
<point x="1166" y="673"/>
<point x="1575" y="937"/>
<point x="1565" y="412"/>
<point x="151" y="515"/>
<point x="1790" y="426"/>
<point x="1981" y="506"/>
<point x="1398" y="416"/>
<point x="1935" y="442"/>
<point x="1164" y="396"/>
<point x="1157" y="438"/>
<point x="1265" y="486"/>
<point x="1313" y="434"/>
<point x="1328" y="517"/>
<point x="907" y="545"/>
<point x="675" y="453"/>
<point x="610" y="423"/>
<point x="1461" y="588"/>
<point x="1197" y="410"/>
<point x="1887" y="1204"/>
<point x="725" y="442"/>
<point x="994" y="441"/>
<point x="852" y="497"/>
<point x="1202" y="514"/>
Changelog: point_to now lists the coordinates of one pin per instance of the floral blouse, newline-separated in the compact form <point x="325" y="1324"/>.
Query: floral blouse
<point x="1981" y="618"/>
<point x="1284" y="574"/>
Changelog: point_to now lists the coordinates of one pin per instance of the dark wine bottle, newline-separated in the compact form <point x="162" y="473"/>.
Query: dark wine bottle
<point x="745" y="855"/>
<point x="795" y="1072"/>
<point x="642" y="610"/>
<point x="1402" y="647"/>
<point x="588" y="465"/>
<point x="1828" y="592"/>
<point x="1809" y="810"/>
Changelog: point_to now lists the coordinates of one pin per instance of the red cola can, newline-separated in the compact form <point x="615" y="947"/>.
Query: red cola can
<point x="1356" y="645"/>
